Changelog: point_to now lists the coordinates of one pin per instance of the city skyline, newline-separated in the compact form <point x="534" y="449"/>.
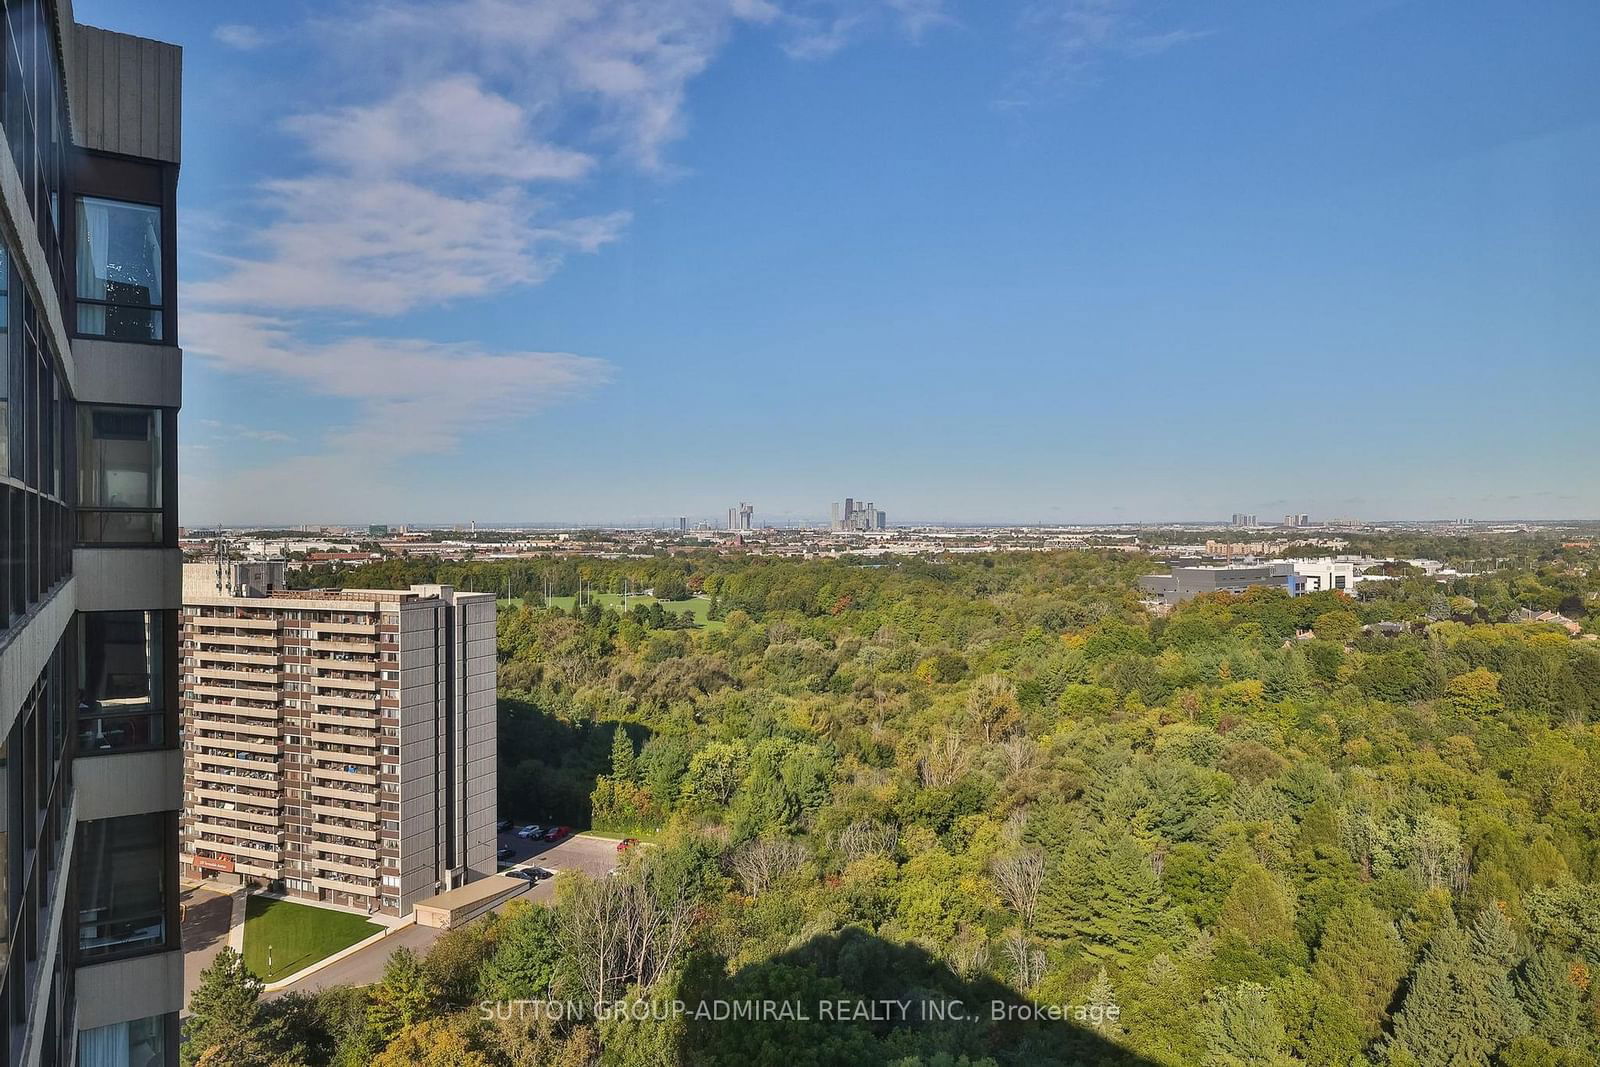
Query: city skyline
<point x="951" y="207"/>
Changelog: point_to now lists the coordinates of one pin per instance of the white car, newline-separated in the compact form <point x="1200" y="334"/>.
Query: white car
<point x="530" y="831"/>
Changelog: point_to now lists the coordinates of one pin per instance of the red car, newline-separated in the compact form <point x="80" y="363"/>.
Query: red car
<point x="556" y="833"/>
<point x="626" y="843"/>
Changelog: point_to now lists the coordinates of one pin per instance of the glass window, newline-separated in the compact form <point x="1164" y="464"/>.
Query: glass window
<point x="119" y="270"/>
<point x="122" y="884"/>
<point x="119" y="475"/>
<point x="130" y="1044"/>
<point x="121" y="692"/>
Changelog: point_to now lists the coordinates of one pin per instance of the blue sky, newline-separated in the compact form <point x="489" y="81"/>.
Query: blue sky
<point x="1043" y="260"/>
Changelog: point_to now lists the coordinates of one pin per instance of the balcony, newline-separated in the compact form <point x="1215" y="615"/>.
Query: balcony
<point x="365" y="629"/>
<point x="362" y="740"/>
<point x="222" y="796"/>
<point x="205" y="813"/>
<point x="352" y="664"/>
<point x="353" y="796"/>
<point x="247" y="728"/>
<point x="328" y="774"/>
<point x="223" y="622"/>
<point x="335" y="867"/>
<point x="234" y="674"/>
<point x="238" y="833"/>
<point x="236" y="693"/>
<point x="232" y="640"/>
<point x="196" y="707"/>
<point x="345" y="887"/>
<point x="339" y="848"/>
<point x="354" y="648"/>
<point x="207" y="759"/>
<point x="258" y="658"/>
<point x="243" y="781"/>
<point x="328" y="700"/>
<point x="358" y="814"/>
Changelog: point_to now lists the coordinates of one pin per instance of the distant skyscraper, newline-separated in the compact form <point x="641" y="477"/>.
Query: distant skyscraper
<point x="1242" y="519"/>
<point x="857" y="516"/>
<point x="742" y="518"/>
<point x="683" y="523"/>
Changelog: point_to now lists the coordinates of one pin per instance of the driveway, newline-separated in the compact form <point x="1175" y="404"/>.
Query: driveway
<point x="206" y="917"/>
<point x="595" y="856"/>
<point x="366" y="966"/>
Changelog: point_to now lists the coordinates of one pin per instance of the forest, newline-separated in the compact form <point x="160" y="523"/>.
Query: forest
<point x="1260" y="830"/>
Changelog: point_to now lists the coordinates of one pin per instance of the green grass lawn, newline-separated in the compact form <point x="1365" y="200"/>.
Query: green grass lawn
<point x="298" y="934"/>
<point x="698" y="607"/>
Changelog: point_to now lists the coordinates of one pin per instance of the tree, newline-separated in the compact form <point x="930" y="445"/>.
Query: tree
<point x="1018" y="877"/>
<point x="1551" y="998"/>
<point x="403" y="997"/>
<point x="226" y="1023"/>
<point x="1259" y="908"/>
<point x="624" y="766"/>
<point x="1360" y="961"/>
<point x="526" y="956"/>
<point x="992" y="706"/>
<point x="1450" y="1016"/>
<point x="1242" y="1028"/>
<point x="432" y="1043"/>
<point x="762" y="862"/>
<point x="1107" y="897"/>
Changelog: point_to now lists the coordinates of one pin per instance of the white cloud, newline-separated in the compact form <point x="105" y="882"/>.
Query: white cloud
<point x="237" y="35"/>
<point x="446" y="126"/>
<point x="409" y="395"/>
<point x="1067" y="40"/>
<point x="443" y="165"/>
<point x="384" y="246"/>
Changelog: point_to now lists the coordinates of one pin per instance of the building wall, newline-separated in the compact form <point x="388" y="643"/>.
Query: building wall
<point x="88" y="583"/>
<point x="327" y="743"/>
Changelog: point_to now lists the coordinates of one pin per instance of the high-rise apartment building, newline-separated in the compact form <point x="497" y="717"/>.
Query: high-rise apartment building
<point x="742" y="518"/>
<point x="857" y="516"/>
<point x="338" y="746"/>
<point x="90" y="773"/>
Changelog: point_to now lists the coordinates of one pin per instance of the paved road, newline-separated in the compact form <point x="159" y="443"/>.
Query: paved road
<point x="366" y="966"/>
<point x="206" y="915"/>
<point x="593" y="855"/>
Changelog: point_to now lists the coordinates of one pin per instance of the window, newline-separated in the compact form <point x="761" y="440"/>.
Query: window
<point x="119" y="270"/>
<point x="122" y="885"/>
<point x="124" y="1044"/>
<point x="121" y="692"/>
<point x="119" y="475"/>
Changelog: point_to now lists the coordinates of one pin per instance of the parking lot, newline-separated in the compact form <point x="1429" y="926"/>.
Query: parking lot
<point x="594" y="856"/>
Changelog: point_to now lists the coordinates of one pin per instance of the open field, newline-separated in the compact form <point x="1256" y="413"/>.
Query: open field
<point x="698" y="607"/>
<point x="298" y="935"/>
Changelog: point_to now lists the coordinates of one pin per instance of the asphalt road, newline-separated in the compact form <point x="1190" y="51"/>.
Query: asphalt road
<point x="206" y="914"/>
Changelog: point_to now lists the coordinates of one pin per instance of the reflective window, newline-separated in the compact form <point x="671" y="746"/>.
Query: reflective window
<point x="119" y="270"/>
<point x="122" y="884"/>
<point x="129" y="1044"/>
<point x="119" y="475"/>
<point x="121" y="691"/>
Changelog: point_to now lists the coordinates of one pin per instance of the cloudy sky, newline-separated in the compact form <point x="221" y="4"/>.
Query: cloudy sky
<point x="613" y="260"/>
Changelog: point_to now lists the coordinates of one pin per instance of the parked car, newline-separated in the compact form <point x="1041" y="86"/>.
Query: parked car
<point x="626" y="843"/>
<point x="540" y="873"/>
<point x="504" y="853"/>
<point x="556" y="833"/>
<point x="531" y="830"/>
<point x="503" y="825"/>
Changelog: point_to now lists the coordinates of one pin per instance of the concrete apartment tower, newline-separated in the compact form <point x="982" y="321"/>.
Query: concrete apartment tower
<point x="339" y="745"/>
<point x="90" y="772"/>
